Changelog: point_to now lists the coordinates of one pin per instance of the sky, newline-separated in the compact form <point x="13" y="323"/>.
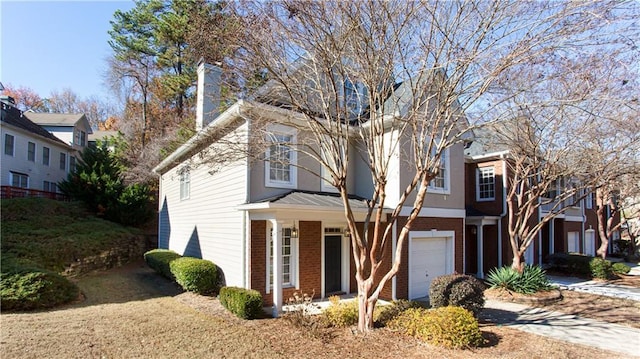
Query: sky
<point x="53" y="45"/>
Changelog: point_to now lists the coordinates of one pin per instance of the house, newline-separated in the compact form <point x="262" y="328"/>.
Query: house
<point x="33" y="159"/>
<point x="486" y="230"/>
<point x="235" y="213"/>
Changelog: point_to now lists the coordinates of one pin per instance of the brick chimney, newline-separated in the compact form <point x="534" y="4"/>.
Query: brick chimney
<point x="208" y="94"/>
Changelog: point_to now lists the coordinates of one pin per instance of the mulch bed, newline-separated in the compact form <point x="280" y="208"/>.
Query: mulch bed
<point x="539" y="298"/>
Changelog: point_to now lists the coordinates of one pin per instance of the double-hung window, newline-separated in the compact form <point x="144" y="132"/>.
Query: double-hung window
<point x="185" y="184"/>
<point x="49" y="186"/>
<point x="288" y="259"/>
<point x="281" y="158"/>
<point x="63" y="161"/>
<point x="440" y="184"/>
<point x="45" y="155"/>
<point x="485" y="184"/>
<point x="31" y="152"/>
<point x="19" y="180"/>
<point x="9" y="142"/>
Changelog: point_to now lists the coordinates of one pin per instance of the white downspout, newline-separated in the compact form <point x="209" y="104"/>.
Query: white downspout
<point x="393" y="251"/>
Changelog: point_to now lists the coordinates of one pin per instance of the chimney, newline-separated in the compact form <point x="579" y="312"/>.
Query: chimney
<point x="208" y="94"/>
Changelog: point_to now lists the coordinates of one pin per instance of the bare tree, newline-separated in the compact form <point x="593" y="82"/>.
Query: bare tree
<point x="378" y="77"/>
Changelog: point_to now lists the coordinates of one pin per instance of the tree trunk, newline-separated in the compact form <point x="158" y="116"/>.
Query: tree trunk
<point x="517" y="263"/>
<point x="365" y="308"/>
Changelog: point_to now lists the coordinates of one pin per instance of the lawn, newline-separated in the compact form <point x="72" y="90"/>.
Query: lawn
<point x="132" y="312"/>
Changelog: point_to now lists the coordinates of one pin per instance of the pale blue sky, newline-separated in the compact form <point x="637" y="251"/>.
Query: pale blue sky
<point x="53" y="45"/>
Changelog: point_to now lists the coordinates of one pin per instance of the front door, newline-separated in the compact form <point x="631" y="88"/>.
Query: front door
<point x="332" y="264"/>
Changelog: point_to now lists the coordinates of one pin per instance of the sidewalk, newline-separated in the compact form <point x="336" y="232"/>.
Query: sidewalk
<point x="598" y="287"/>
<point x="566" y="327"/>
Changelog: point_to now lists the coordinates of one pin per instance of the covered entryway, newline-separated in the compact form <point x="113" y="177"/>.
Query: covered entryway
<point x="430" y="256"/>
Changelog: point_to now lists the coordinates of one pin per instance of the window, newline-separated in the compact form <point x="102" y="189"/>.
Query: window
<point x="8" y="144"/>
<point x="31" y="152"/>
<point x="63" y="161"/>
<point x="440" y="184"/>
<point x="288" y="261"/>
<point x="45" y="156"/>
<point x="185" y="184"/>
<point x="83" y="138"/>
<point x="589" y="200"/>
<point x="72" y="163"/>
<point x="19" y="179"/>
<point x="49" y="186"/>
<point x="280" y="170"/>
<point x="485" y="184"/>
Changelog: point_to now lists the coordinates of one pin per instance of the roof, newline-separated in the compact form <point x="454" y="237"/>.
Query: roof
<point x="13" y="116"/>
<point x="483" y="143"/>
<point x="101" y="135"/>
<point x="309" y="199"/>
<point x="55" y="119"/>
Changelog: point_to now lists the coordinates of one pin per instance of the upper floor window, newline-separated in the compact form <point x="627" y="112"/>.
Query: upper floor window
<point x="281" y="159"/>
<point x="31" y="152"/>
<point x="83" y="138"/>
<point x="72" y="163"/>
<point x="440" y="184"/>
<point x="8" y="144"/>
<point x="485" y="184"/>
<point x="185" y="184"/>
<point x="588" y="200"/>
<point x="45" y="155"/>
<point x="353" y="96"/>
<point x="19" y="179"/>
<point x="63" y="161"/>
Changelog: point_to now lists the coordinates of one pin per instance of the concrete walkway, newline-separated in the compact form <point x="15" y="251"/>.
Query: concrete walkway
<point x="570" y="328"/>
<point x="599" y="287"/>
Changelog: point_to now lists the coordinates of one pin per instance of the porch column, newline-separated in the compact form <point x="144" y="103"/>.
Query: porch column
<point x="551" y="237"/>
<point x="276" y="269"/>
<point x="480" y="253"/>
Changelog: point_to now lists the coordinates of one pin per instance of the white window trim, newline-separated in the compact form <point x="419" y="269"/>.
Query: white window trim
<point x="293" y="164"/>
<point x="478" y="174"/>
<point x="185" y="184"/>
<point x="13" y="145"/>
<point x="293" y="265"/>
<point x="48" y="156"/>
<point x="589" y="200"/>
<point x="447" y="176"/>
<point x="12" y="174"/>
<point x="35" y="151"/>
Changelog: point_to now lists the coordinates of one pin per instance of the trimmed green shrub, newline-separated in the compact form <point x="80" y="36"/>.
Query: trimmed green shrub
<point x="532" y="279"/>
<point x="341" y="314"/>
<point x="449" y="327"/>
<point x="620" y="268"/>
<point x="160" y="261"/>
<point x="600" y="268"/>
<point x="195" y="275"/>
<point x="570" y="263"/>
<point x="457" y="290"/>
<point x="244" y="303"/>
<point x="391" y="311"/>
<point x="24" y="287"/>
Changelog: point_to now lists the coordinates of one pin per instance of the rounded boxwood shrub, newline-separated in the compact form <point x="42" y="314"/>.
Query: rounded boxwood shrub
<point x="195" y="275"/>
<point x="25" y="287"/>
<point x="457" y="290"/>
<point x="600" y="268"/>
<point x="160" y="260"/>
<point x="244" y="303"/>
<point x="620" y="268"/>
<point x="340" y="314"/>
<point x="391" y="311"/>
<point x="449" y="327"/>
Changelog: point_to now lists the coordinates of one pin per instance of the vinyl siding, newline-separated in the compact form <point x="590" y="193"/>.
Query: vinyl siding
<point x="206" y="225"/>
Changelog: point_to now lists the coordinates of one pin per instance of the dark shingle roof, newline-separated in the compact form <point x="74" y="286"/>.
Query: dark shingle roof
<point x="316" y="199"/>
<point x="14" y="117"/>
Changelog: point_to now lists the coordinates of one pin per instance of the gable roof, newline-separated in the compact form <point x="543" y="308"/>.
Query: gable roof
<point x="57" y="119"/>
<point x="14" y="117"/>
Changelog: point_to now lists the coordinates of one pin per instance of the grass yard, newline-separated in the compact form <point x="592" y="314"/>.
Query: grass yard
<point x="130" y="312"/>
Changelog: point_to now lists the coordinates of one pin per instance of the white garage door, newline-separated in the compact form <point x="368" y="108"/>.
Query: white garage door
<point x="429" y="257"/>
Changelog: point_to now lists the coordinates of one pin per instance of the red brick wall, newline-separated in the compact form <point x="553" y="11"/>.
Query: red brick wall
<point x="426" y="224"/>
<point x="257" y="265"/>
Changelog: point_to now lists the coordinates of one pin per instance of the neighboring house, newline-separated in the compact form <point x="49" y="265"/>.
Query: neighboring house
<point x="32" y="158"/>
<point x="71" y="128"/>
<point x="486" y="231"/>
<point x="106" y="137"/>
<point x="234" y="215"/>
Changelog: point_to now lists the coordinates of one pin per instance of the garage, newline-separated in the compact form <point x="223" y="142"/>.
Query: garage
<point x="430" y="256"/>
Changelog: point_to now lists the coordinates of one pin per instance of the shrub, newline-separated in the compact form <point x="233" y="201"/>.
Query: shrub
<point x="391" y="311"/>
<point x="160" y="260"/>
<point x="457" y="290"/>
<point x="620" y="268"/>
<point x="300" y="315"/>
<point x="532" y="279"/>
<point x="24" y="286"/>
<point x="600" y="268"/>
<point x="341" y="314"/>
<point x="195" y="275"/>
<point x="449" y="327"/>
<point x="244" y="303"/>
<point x="570" y="263"/>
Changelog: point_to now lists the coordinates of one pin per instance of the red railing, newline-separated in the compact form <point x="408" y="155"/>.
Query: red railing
<point x="7" y="192"/>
